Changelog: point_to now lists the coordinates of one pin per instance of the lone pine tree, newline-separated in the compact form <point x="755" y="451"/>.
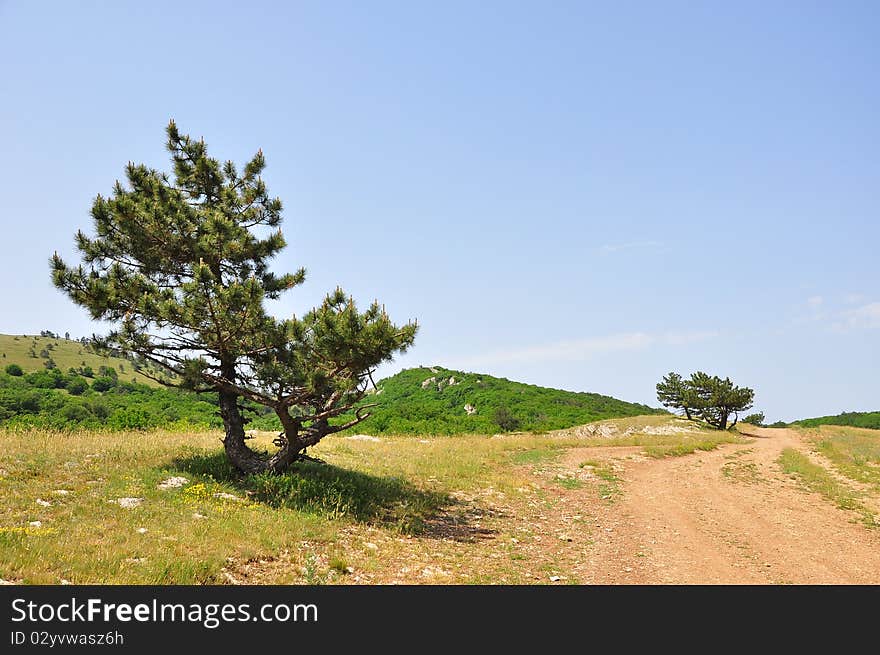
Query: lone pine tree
<point x="179" y="264"/>
<point x="708" y="397"/>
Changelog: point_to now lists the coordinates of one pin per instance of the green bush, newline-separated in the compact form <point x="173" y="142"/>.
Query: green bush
<point x="77" y="386"/>
<point x="104" y="384"/>
<point x="15" y="370"/>
<point x="505" y="420"/>
<point x="754" y="419"/>
<point x="76" y="413"/>
<point x="107" y="372"/>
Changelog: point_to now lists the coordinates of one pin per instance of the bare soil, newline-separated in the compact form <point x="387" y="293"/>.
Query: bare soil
<point x="729" y="516"/>
<point x="610" y="515"/>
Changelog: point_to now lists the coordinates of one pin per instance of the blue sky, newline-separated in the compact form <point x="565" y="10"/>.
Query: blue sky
<point x="577" y="195"/>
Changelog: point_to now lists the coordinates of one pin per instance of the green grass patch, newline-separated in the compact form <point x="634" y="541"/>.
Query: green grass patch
<point x="854" y="452"/>
<point x="739" y="470"/>
<point x="816" y="478"/>
<point x="686" y="447"/>
<point x="609" y="485"/>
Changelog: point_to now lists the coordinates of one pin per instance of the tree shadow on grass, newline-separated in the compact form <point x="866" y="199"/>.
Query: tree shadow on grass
<point x="339" y="493"/>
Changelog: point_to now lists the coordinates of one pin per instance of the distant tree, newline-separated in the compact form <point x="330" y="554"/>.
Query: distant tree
<point x="44" y="353"/>
<point x="87" y="371"/>
<point x="180" y="266"/>
<point x="707" y="397"/>
<point x="755" y="419"/>
<point x="67" y="336"/>
<point x="716" y="399"/>
<point x="15" y="370"/>
<point x="50" y="364"/>
<point x="673" y="392"/>
<point x="505" y="419"/>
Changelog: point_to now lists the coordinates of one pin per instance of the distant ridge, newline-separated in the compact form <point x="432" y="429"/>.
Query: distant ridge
<point x="438" y="400"/>
<point x="853" y="419"/>
<point x="32" y="352"/>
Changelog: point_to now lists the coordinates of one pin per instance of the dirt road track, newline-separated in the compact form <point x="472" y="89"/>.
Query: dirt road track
<point x="727" y="516"/>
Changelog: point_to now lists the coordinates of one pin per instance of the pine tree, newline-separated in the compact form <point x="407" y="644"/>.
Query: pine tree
<point x="180" y="265"/>
<point x="673" y="392"/>
<point x="708" y="397"/>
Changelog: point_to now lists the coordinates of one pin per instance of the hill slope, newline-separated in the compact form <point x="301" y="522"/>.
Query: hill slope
<point x="32" y="353"/>
<point x="433" y="400"/>
<point x="851" y="419"/>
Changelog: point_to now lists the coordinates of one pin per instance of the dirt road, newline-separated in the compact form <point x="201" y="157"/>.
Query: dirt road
<point x="725" y="516"/>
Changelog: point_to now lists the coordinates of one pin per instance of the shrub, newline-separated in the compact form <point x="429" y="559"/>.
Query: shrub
<point x="77" y="386"/>
<point x="76" y="413"/>
<point x="15" y="370"/>
<point x="755" y="419"/>
<point x="47" y="379"/>
<point x="107" y="372"/>
<point x="104" y="384"/>
<point x="505" y="419"/>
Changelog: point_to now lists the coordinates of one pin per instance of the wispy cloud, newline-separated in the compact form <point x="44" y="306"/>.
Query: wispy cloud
<point x="864" y="317"/>
<point x="617" y="247"/>
<point x="581" y="349"/>
<point x="815" y="301"/>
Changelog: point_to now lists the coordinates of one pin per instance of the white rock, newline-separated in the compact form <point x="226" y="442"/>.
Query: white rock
<point x="173" y="482"/>
<point x="63" y="581"/>
<point x="199" y="516"/>
<point x="434" y="572"/>
<point x="142" y="531"/>
<point x="61" y="492"/>
<point x="225" y="496"/>
<point x="43" y="503"/>
<point x="470" y="409"/>
<point x="363" y="437"/>
<point x="371" y="546"/>
<point x="427" y="383"/>
<point x="129" y="503"/>
<point x="35" y="524"/>
<point x="554" y="578"/>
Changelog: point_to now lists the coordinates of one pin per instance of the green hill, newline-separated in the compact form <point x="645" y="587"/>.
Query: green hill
<point x="32" y="353"/>
<point x="433" y="401"/>
<point x="852" y="419"/>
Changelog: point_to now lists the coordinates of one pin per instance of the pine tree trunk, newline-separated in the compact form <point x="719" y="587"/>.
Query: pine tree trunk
<point x="291" y="445"/>
<point x="240" y="456"/>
